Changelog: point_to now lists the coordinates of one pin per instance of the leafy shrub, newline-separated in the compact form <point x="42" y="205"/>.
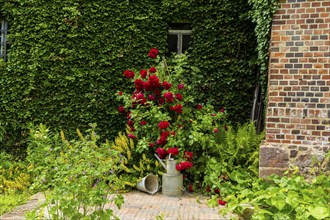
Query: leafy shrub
<point x="14" y="177"/>
<point x="289" y="197"/>
<point x="234" y="159"/>
<point x="81" y="174"/>
<point x="14" y="182"/>
<point x="163" y="117"/>
<point x="234" y="183"/>
<point x="11" y="200"/>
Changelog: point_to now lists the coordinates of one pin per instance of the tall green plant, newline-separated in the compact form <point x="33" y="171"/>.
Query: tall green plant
<point x="81" y="175"/>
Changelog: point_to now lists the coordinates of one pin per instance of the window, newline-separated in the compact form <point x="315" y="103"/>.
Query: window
<point x="3" y="41"/>
<point x="179" y="37"/>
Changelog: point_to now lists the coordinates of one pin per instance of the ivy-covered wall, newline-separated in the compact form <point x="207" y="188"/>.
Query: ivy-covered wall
<point x="67" y="57"/>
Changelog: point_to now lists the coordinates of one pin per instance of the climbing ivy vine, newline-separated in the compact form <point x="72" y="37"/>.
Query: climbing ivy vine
<point x="67" y="57"/>
<point x="262" y="15"/>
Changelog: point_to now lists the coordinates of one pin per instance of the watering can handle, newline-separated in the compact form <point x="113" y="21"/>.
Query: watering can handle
<point x="161" y="162"/>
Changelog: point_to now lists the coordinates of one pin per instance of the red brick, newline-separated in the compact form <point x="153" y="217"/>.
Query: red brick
<point x="326" y="133"/>
<point x="310" y="10"/>
<point x="316" y="4"/>
<point x="325" y="4"/>
<point x="306" y="5"/>
<point x="320" y="10"/>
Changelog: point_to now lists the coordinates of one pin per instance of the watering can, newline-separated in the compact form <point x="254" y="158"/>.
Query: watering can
<point x="172" y="180"/>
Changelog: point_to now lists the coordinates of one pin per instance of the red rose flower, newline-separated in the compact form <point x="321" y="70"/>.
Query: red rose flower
<point x="139" y="85"/>
<point x="180" y="86"/>
<point x="120" y="93"/>
<point x="161" y="101"/>
<point x="153" y="53"/>
<point x="161" y="152"/>
<point x="143" y="122"/>
<point x="222" y="110"/>
<point x="130" y="123"/>
<point x="179" y="97"/>
<point x="215" y="130"/>
<point x="152" y="70"/>
<point x="221" y="202"/>
<point x="166" y="85"/>
<point x="163" y="125"/>
<point x="151" y="97"/>
<point x="131" y="136"/>
<point x="199" y="106"/>
<point x="177" y="108"/>
<point x="190" y="188"/>
<point x="163" y="138"/>
<point x="151" y="145"/>
<point x="157" y="92"/>
<point x="121" y="109"/>
<point x="168" y="96"/>
<point x="188" y="155"/>
<point x="129" y="74"/>
<point x="178" y="167"/>
<point x="152" y="83"/>
<point x="141" y="98"/>
<point x="217" y="191"/>
<point x="143" y="73"/>
<point x="183" y="165"/>
<point x="173" y="151"/>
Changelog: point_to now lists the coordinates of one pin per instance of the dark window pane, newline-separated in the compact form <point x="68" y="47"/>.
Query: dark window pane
<point x="185" y="42"/>
<point x="4" y="45"/>
<point x="172" y="42"/>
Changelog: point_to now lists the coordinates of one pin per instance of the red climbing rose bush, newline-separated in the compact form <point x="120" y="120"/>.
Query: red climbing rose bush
<point x="161" y="113"/>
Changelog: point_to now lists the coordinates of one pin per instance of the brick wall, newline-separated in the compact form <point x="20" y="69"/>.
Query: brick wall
<point x="298" y="110"/>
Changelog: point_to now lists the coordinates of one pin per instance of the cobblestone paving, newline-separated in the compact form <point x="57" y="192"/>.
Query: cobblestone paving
<point x="142" y="206"/>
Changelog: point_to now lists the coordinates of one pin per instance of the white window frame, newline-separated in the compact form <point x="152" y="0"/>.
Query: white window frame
<point x="180" y="34"/>
<point x="3" y="38"/>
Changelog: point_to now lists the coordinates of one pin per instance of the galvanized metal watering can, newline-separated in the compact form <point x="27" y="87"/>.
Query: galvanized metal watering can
<point x="172" y="180"/>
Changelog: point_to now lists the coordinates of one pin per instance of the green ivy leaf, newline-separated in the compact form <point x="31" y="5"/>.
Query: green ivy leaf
<point x="292" y="199"/>
<point x="278" y="201"/>
<point x="319" y="212"/>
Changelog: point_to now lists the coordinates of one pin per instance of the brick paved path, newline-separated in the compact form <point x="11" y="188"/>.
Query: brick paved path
<point x="142" y="206"/>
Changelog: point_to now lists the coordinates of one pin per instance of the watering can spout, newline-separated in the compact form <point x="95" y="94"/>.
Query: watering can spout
<point x="160" y="161"/>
